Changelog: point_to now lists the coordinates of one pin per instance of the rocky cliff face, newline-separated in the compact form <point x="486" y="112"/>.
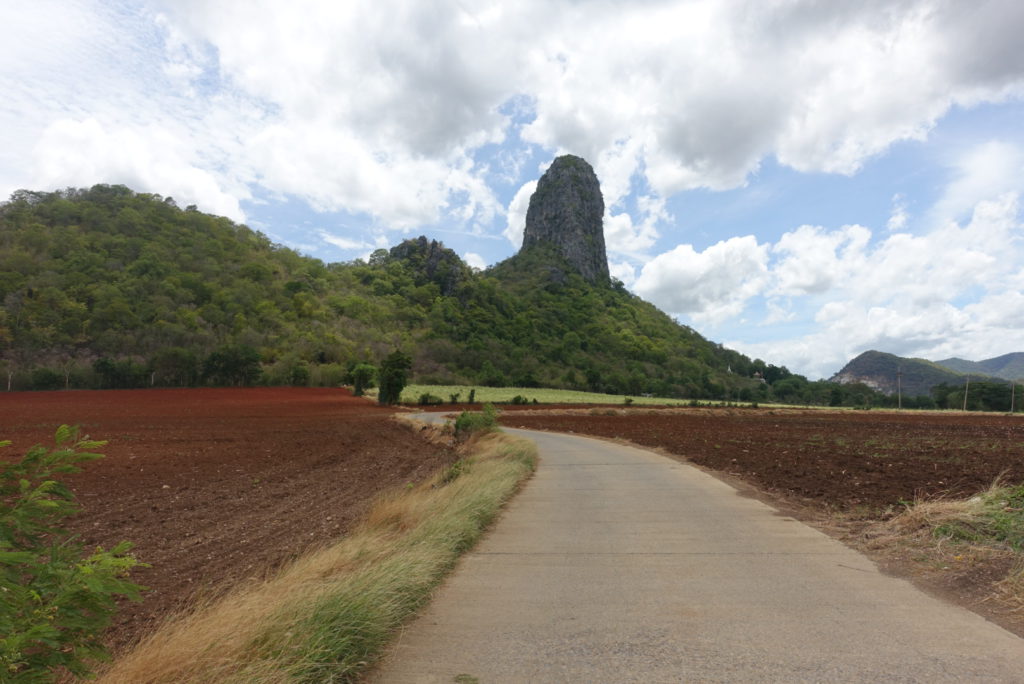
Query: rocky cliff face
<point x="566" y="214"/>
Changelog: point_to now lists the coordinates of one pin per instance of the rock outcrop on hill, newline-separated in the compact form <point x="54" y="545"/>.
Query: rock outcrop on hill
<point x="889" y="373"/>
<point x="566" y="214"/>
<point x="431" y="261"/>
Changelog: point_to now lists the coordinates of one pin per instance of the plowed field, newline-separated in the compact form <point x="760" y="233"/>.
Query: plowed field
<point x="842" y="459"/>
<point x="217" y="485"/>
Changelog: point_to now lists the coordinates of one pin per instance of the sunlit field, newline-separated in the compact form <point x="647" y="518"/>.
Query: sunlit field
<point x="500" y="395"/>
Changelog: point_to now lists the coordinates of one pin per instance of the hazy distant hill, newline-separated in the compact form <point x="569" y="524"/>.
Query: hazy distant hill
<point x="884" y="372"/>
<point x="1008" y="366"/>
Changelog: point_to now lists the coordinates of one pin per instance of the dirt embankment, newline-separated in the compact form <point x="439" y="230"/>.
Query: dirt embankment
<point x="217" y="485"/>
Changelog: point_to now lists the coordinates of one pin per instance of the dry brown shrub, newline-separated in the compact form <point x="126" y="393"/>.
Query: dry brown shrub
<point x="1010" y="591"/>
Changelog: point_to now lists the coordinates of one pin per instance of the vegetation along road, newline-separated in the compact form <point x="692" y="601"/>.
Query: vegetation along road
<point x="616" y="564"/>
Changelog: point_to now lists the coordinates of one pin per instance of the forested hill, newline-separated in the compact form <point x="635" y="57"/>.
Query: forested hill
<point x="108" y="287"/>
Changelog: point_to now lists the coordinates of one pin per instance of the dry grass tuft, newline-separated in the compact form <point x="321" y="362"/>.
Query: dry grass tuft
<point x="924" y="516"/>
<point x="981" y="533"/>
<point x="1010" y="591"/>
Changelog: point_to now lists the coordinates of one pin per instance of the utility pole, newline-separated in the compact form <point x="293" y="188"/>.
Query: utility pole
<point x="967" y="386"/>
<point x="899" y="388"/>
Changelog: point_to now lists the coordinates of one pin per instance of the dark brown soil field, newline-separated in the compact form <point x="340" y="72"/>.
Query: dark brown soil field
<point x="842" y="459"/>
<point x="217" y="485"/>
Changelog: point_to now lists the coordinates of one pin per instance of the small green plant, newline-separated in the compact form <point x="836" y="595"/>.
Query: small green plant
<point x="427" y="399"/>
<point x="520" y="400"/>
<point x="452" y="472"/>
<point x="55" y="601"/>
<point x="603" y="412"/>
<point x="469" y="422"/>
<point x="472" y="396"/>
<point x="628" y="401"/>
<point x="454" y="398"/>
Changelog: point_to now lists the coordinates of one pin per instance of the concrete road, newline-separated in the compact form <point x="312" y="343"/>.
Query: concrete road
<point x="616" y="564"/>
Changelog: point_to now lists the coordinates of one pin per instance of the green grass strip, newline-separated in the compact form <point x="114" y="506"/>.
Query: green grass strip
<point x="504" y="395"/>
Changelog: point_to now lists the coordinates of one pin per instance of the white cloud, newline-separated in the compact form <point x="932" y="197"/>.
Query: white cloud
<point x="378" y="107"/>
<point x="813" y="260"/>
<point x="625" y="237"/>
<point x="953" y="291"/>
<point x="980" y="173"/>
<point x="615" y="167"/>
<point x="474" y="260"/>
<point x="342" y="242"/>
<point x="899" y="216"/>
<point x="516" y="214"/>
<point x="81" y="153"/>
<point x="624" y="271"/>
<point x="622" y="236"/>
<point x="711" y="285"/>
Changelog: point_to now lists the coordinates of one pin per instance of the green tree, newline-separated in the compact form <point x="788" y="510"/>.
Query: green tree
<point x="55" y="601"/>
<point x="175" y="366"/>
<point x="233" y="364"/>
<point x="362" y="378"/>
<point x="788" y="390"/>
<point x="393" y="377"/>
<point x="119" y="374"/>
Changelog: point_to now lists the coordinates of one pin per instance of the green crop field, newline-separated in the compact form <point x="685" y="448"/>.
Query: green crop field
<point x="503" y="395"/>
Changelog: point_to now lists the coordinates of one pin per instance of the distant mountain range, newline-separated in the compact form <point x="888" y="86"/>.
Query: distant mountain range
<point x="1008" y="366"/>
<point x="888" y="373"/>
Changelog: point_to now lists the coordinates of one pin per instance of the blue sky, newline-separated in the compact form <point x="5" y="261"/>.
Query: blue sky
<point x="798" y="180"/>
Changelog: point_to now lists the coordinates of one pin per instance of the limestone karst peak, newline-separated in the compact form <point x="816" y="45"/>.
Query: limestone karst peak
<point x="566" y="213"/>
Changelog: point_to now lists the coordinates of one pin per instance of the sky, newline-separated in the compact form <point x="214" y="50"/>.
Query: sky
<point x="799" y="180"/>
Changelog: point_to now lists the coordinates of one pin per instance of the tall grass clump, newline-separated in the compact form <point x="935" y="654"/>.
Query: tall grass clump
<point x="327" y="617"/>
<point x="470" y="422"/>
<point x="994" y="517"/>
<point x="951" y="531"/>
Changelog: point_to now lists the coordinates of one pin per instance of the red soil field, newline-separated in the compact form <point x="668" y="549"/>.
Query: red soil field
<point x="841" y="459"/>
<point x="214" y="486"/>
